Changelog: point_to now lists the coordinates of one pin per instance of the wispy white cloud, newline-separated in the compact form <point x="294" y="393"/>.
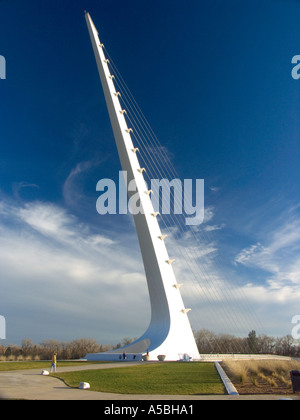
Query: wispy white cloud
<point x="19" y="186"/>
<point x="279" y="259"/>
<point x="72" y="188"/>
<point x="210" y="228"/>
<point x="56" y="270"/>
<point x="214" y="189"/>
<point x="51" y="263"/>
<point x="258" y="289"/>
<point x="208" y="214"/>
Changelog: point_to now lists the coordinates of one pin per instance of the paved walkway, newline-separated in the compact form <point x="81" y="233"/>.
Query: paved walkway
<point x="31" y="385"/>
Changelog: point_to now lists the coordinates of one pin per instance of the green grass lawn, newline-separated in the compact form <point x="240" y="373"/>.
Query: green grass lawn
<point x="161" y="378"/>
<point x="44" y="364"/>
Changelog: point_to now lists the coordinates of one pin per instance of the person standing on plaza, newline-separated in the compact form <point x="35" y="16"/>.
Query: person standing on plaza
<point x="53" y="364"/>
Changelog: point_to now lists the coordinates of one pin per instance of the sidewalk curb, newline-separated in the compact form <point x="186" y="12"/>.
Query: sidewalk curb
<point x="231" y="390"/>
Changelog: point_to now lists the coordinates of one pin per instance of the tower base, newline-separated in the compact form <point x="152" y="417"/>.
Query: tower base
<point x="141" y="350"/>
<point x="137" y="357"/>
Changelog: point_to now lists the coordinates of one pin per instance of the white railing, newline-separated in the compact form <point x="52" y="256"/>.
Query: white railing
<point x="218" y="357"/>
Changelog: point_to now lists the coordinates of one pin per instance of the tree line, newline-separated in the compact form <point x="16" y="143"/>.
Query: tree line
<point x="207" y="342"/>
<point x="75" y="349"/>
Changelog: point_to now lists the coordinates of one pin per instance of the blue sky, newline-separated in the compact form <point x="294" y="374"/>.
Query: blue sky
<point x="213" y="78"/>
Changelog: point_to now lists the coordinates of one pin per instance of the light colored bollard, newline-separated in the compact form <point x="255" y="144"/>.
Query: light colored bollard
<point x="45" y="372"/>
<point x="84" y="385"/>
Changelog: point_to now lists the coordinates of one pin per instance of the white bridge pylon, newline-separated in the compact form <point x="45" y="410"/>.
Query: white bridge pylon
<point x="169" y="332"/>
